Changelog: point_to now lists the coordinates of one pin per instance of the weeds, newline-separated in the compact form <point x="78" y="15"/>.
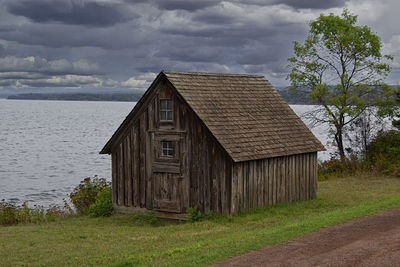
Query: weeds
<point x="11" y="214"/>
<point x="145" y="218"/>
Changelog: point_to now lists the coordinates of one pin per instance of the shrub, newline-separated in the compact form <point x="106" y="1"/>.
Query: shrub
<point x="383" y="153"/>
<point x="8" y="213"/>
<point x="84" y="195"/>
<point x="339" y="168"/>
<point x="148" y="217"/>
<point x="103" y="205"/>
<point x="194" y="215"/>
<point x="57" y="212"/>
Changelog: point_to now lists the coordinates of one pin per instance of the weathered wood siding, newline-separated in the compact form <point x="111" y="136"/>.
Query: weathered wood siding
<point x="202" y="176"/>
<point x="209" y="169"/>
<point x="266" y="182"/>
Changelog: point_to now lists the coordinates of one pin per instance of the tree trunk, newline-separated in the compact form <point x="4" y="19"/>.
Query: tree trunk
<point x="339" y="141"/>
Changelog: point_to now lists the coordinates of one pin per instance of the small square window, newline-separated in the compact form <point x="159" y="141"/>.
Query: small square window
<point x="166" y="110"/>
<point x="167" y="148"/>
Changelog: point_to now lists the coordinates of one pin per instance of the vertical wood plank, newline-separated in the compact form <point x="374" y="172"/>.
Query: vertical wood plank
<point x="298" y="177"/>
<point x="303" y="190"/>
<point x="149" y="189"/>
<point x="254" y="180"/>
<point x="315" y="174"/>
<point x="270" y="181"/>
<point x="228" y="180"/>
<point x="307" y="174"/>
<point x="136" y="167"/>
<point x="114" y="184"/>
<point x="224" y="206"/>
<point x="245" y="192"/>
<point x="121" y="195"/>
<point x="207" y="177"/>
<point x="294" y="177"/>
<point x="251" y="184"/>
<point x="240" y="186"/>
<point x="311" y="174"/>
<point x="262" y="181"/>
<point x="142" y="152"/>
<point x="234" y="204"/>
<point x="187" y="161"/>
<point x="275" y="181"/>
<point x="129" y="170"/>
<point x="283" y="179"/>
<point x="288" y="181"/>
<point x="266" y="182"/>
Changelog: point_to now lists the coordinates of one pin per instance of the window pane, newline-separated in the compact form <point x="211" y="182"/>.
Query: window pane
<point x="167" y="148"/>
<point x="166" y="110"/>
<point x="163" y="104"/>
<point x="163" y="115"/>
<point x="169" y="115"/>
<point x="169" y="104"/>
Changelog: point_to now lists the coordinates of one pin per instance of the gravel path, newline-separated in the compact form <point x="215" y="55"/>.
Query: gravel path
<point x="369" y="241"/>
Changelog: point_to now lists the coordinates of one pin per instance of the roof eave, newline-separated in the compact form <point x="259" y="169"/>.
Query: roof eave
<point x="107" y="147"/>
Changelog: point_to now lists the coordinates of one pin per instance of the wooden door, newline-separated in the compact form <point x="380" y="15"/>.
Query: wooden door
<point x="167" y="171"/>
<point x="167" y="191"/>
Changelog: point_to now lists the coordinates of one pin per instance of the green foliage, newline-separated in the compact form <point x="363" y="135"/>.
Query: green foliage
<point x="341" y="63"/>
<point x="194" y="215"/>
<point x="103" y="205"/>
<point x="390" y="106"/>
<point x="145" y="218"/>
<point x="339" y="168"/>
<point x="11" y="214"/>
<point x="383" y="153"/>
<point x="84" y="195"/>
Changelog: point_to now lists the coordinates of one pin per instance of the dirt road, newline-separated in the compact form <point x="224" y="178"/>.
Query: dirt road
<point x="369" y="241"/>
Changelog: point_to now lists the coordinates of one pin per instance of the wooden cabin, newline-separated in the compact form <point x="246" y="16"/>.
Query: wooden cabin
<point x="220" y="142"/>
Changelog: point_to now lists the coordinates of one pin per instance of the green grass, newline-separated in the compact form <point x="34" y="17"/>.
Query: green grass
<point x="122" y="241"/>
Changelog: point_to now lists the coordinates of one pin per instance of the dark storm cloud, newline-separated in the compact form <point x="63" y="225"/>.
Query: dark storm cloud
<point x="103" y="43"/>
<point x="188" y="5"/>
<point x="213" y="17"/>
<point x="313" y="4"/>
<point x="72" y="12"/>
<point x="44" y="66"/>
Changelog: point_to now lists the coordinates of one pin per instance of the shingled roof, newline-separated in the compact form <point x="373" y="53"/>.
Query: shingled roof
<point x="245" y="114"/>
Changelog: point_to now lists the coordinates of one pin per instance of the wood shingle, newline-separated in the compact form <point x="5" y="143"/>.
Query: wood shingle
<point x="245" y="114"/>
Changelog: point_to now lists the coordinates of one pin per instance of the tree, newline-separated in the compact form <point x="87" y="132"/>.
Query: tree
<point x="340" y="64"/>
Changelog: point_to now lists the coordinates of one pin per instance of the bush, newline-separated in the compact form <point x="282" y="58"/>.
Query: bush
<point x="84" y="195"/>
<point x="103" y="205"/>
<point x="8" y="214"/>
<point x="194" y="215"/>
<point x="383" y="153"/>
<point x="339" y="168"/>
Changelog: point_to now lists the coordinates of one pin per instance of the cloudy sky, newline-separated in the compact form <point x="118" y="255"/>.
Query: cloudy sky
<point x="125" y="43"/>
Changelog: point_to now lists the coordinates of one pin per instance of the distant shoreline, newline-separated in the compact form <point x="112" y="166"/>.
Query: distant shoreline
<point x="119" y="97"/>
<point x="291" y="98"/>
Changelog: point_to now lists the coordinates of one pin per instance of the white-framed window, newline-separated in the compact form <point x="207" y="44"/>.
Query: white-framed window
<point x="166" y="110"/>
<point x="167" y="148"/>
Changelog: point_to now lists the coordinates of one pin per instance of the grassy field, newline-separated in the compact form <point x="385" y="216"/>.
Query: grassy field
<point x="122" y="241"/>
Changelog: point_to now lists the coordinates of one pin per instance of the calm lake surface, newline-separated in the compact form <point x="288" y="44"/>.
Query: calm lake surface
<point x="48" y="147"/>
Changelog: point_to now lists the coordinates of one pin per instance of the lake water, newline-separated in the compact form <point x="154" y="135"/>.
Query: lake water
<point x="48" y="147"/>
